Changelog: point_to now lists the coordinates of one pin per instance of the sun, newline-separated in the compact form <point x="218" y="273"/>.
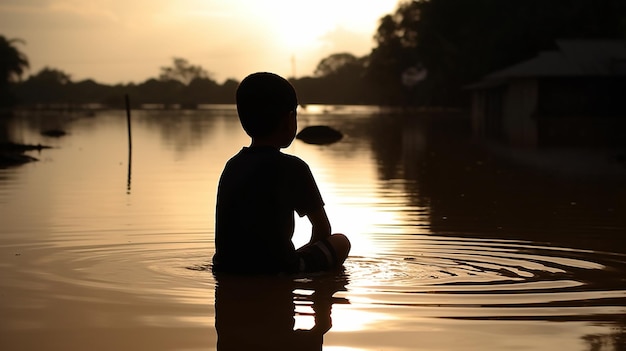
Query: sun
<point x="299" y="25"/>
<point x="296" y="25"/>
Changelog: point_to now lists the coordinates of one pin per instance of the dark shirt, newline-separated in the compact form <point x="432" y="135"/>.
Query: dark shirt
<point x="259" y="190"/>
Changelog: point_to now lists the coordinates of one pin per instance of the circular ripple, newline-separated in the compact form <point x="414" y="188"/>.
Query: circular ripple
<point x="140" y="268"/>
<point x="479" y="278"/>
<point x="446" y="277"/>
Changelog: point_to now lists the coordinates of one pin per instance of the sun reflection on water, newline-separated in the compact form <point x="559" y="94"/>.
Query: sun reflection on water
<point x="362" y="208"/>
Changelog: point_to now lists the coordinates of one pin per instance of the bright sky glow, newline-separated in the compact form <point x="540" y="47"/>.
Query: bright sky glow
<point x="119" y="41"/>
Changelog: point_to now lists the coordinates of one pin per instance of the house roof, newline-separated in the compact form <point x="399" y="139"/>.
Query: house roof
<point x="572" y="58"/>
<point x="547" y="63"/>
<point x="594" y="57"/>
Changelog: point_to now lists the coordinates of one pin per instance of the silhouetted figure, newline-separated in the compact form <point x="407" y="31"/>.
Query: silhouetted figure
<point x="261" y="188"/>
<point x="258" y="313"/>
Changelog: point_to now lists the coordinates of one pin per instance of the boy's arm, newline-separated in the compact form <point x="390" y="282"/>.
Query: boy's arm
<point x="320" y="223"/>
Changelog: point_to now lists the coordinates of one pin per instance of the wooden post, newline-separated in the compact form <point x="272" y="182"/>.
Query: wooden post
<point x="130" y="144"/>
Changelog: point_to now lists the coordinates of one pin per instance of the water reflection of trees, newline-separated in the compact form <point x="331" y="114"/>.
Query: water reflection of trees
<point x="181" y="130"/>
<point x="184" y="130"/>
<point x="36" y="122"/>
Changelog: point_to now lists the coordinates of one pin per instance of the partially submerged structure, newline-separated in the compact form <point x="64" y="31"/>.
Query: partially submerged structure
<point x="572" y="96"/>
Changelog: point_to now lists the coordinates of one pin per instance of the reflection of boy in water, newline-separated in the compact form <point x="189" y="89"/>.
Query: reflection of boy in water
<point x="257" y="313"/>
<point x="260" y="188"/>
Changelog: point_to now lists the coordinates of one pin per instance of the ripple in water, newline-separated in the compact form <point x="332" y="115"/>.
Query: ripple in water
<point x="444" y="277"/>
<point x="480" y="278"/>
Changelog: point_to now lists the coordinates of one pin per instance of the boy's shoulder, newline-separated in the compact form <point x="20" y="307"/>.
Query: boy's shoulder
<point x="268" y="157"/>
<point x="266" y="153"/>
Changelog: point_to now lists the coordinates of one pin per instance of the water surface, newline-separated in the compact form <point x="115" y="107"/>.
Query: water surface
<point x="453" y="246"/>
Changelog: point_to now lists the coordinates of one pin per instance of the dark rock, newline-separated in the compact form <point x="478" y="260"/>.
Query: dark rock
<point x="319" y="135"/>
<point x="55" y="133"/>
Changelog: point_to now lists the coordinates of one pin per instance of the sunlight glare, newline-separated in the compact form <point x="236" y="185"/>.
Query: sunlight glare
<point x="296" y="25"/>
<point x="300" y="25"/>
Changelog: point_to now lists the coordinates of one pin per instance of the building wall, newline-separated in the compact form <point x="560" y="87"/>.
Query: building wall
<point x="487" y="113"/>
<point x="519" y="121"/>
<point x="556" y="111"/>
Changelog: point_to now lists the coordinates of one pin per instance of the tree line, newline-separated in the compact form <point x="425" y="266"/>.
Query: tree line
<point x="186" y="85"/>
<point x="424" y="54"/>
<point x="51" y="87"/>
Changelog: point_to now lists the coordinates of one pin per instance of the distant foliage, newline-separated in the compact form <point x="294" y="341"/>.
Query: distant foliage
<point x="335" y="64"/>
<point x="13" y="63"/>
<point x="182" y="71"/>
<point x="49" y="85"/>
<point x="51" y="76"/>
<point x="338" y="79"/>
<point x="186" y="86"/>
<point x="182" y="85"/>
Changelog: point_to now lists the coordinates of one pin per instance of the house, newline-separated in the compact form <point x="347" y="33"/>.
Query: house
<point x="572" y="96"/>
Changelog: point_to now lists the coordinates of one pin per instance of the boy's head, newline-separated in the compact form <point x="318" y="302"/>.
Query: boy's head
<point x="263" y="100"/>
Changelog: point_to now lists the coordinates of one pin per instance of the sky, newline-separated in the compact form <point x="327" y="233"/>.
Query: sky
<point x="122" y="41"/>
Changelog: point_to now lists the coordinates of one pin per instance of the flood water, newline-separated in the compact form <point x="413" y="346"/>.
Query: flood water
<point x="455" y="247"/>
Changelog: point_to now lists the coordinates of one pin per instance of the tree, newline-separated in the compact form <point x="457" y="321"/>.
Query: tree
<point x="155" y="91"/>
<point x="13" y="63"/>
<point x="51" y="76"/>
<point x="395" y="51"/>
<point x="183" y="71"/>
<point x="225" y="93"/>
<point x="339" y="79"/>
<point x="334" y="64"/>
<point x="199" y="91"/>
<point x="48" y="86"/>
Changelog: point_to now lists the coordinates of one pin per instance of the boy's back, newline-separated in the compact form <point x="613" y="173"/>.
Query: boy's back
<point x="259" y="191"/>
<point x="261" y="188"/>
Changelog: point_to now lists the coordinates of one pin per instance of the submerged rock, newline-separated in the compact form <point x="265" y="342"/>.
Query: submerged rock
<point x="55" y="133"/>
<point x="319" y="135"/>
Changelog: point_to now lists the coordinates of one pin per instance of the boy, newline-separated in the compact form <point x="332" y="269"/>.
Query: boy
<point x="260" y="188"/>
